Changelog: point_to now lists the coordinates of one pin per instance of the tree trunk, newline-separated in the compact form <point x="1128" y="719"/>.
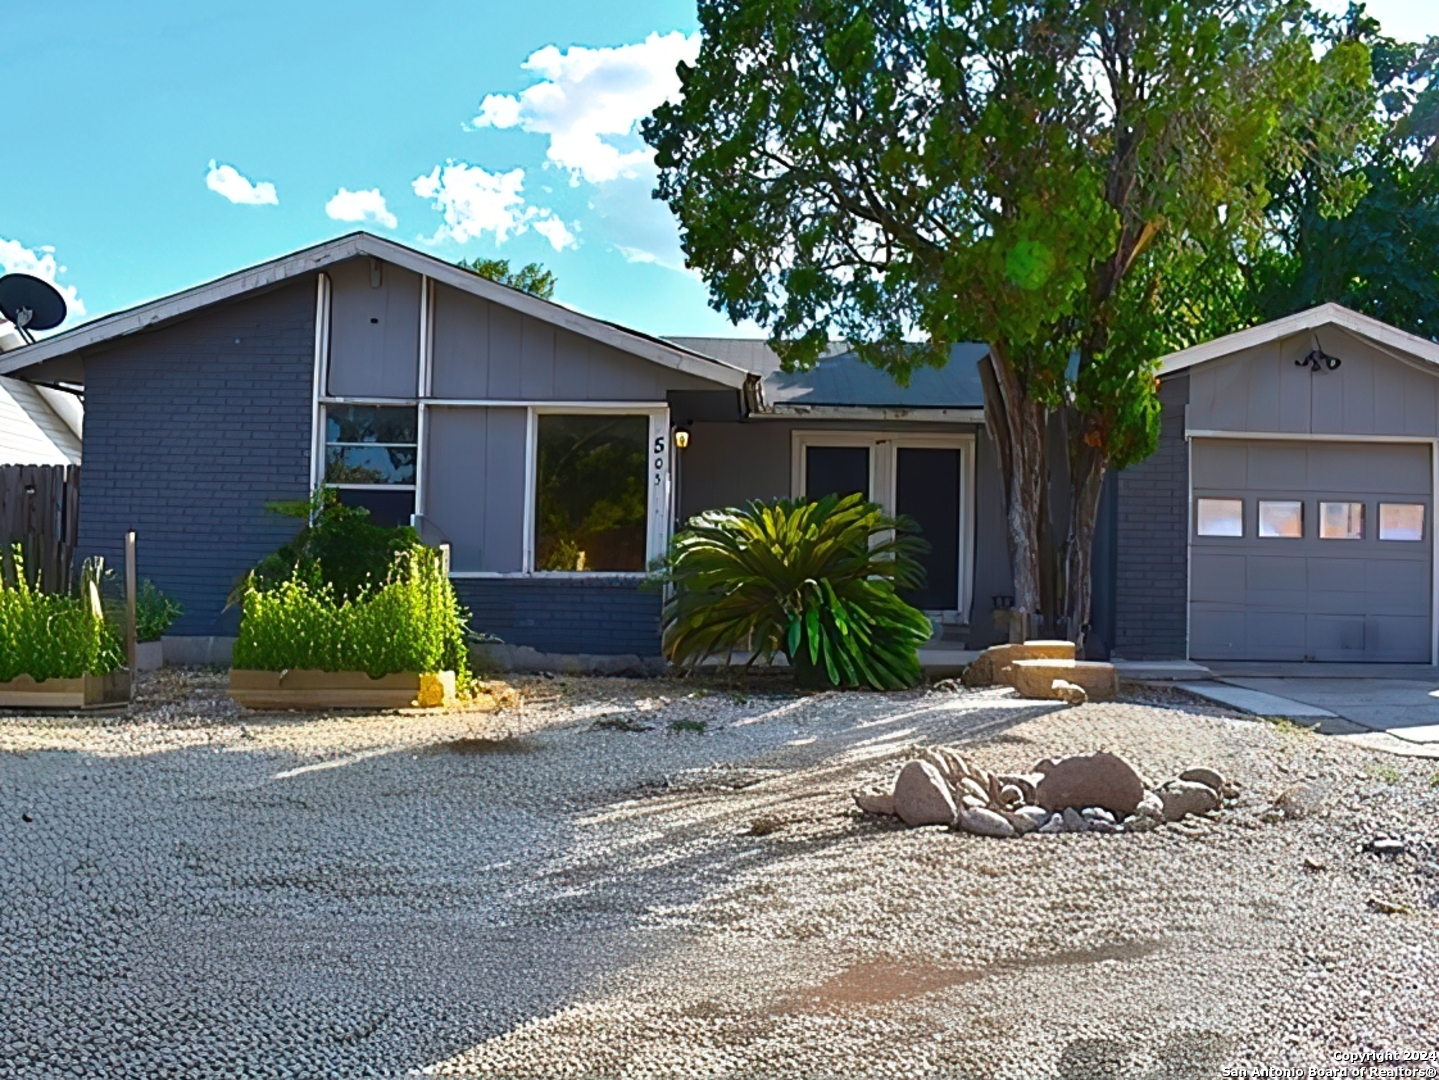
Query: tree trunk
<point x="1087" y="466"/>
<point x="1016" y="427"/>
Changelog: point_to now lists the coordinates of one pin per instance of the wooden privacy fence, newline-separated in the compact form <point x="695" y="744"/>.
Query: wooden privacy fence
<point x="40" y="511"/>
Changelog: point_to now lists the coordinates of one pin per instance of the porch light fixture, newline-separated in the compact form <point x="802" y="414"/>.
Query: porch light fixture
<point x="1317" y="359"/>
<point x="682" y="438"/>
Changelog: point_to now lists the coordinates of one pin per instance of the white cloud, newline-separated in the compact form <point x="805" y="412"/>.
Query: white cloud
<point x="475" y="201"/>
<point x="591" y="102"/>
<point x="16" y="258"/>
<point x="360" y="206"/>
<point x="555" y="231"/>
<point x="228" y="181"/>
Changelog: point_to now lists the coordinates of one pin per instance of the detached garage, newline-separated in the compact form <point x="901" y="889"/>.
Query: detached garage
<point x="1294" y="493"/>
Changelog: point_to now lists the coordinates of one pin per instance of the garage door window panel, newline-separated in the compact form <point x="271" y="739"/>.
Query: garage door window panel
<point x="1401" y="521"/>
<point x="1219" y="517"/>
<point x="1341" y="521"/>
<point x="1281" y="519"/>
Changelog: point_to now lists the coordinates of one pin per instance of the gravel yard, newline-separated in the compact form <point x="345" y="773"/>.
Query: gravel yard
<point x="662" y="878"/>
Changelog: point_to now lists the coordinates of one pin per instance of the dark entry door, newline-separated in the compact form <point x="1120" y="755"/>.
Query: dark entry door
<point x="927" y="489"/>
<point x="836" y="470"/>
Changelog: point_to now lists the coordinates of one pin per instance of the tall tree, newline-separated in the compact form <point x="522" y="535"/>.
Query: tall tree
<point x="1035" y="174"/>
<point x="1362" y="229"/>
<point x="532" y="278"/>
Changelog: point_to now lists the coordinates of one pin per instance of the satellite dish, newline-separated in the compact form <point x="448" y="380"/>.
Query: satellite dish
<point x="31" y="304"/>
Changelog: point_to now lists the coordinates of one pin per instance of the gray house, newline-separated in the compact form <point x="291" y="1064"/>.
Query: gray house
<point x="555" y="453"/>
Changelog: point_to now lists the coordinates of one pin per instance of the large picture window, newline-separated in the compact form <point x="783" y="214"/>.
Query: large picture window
<point x="591" y="510"/>
<point x="370" y="453"/>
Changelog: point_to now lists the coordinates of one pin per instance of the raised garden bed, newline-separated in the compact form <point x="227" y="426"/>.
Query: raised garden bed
<point x="82" y="692"/>
<point x="311" y="689"/>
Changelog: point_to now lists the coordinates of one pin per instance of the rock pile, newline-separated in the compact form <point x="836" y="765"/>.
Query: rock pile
<point x="1098" y="793"/>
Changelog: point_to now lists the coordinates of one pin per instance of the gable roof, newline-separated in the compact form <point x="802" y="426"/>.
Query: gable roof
<point x="308" y="260"/>
<point x="1381" y="334"/>
<point x="842" y="379"/>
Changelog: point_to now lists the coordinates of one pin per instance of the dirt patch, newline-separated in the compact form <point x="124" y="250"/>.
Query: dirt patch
<point x="881" y="982"/>
<point x="508" y="744"/>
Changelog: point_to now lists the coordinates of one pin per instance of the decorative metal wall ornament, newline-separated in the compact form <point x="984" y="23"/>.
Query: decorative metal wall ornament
<point x="1317" y="359"/>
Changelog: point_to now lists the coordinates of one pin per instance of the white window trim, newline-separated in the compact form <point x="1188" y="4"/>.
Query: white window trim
<point x="659" y="484"/>
<point x="883" y="482"/>
<point x="319" y="382"/>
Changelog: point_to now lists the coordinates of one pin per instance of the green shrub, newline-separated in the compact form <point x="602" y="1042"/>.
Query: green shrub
<point x="411" y="622"/>
<point x="154" y="612"/>
<point x="54" y="635"/>
<point x="337" y="546"/>
<point x="814" y="580"/>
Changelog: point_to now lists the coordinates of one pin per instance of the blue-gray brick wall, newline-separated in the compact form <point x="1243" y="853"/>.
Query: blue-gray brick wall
<point x="189" y="431"/>
<point x="1152" y="537"/>
<point x="603" y="616"/>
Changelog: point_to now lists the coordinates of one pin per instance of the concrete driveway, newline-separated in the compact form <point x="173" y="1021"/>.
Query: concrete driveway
<point x="1403" y="707"/>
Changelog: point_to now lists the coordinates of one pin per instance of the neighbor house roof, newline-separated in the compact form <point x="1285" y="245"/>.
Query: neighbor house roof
<point x="278" y="271"/>
<point x="38" y="426"/>
<point x="842" y="380"/>
<point x="1380" y="333"/>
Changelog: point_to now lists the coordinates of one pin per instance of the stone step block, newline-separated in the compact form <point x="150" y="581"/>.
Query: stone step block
<point x="1036" y="678"/>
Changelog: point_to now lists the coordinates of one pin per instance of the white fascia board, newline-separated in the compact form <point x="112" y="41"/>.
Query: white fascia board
<point x="785" y="411"/>
<point x="146" y="316"/>
<point x="1298" y="323"/>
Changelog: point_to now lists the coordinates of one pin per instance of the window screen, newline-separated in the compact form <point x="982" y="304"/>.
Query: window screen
<point x="590" y="496"/>
<point x="1219" y="517"/>
<point x="1341" y="521"/>
<point x="1401" y="521"/>
<point x="1281" y="519"/>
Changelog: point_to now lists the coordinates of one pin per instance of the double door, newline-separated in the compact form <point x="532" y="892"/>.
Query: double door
<point x="928" y="478"/>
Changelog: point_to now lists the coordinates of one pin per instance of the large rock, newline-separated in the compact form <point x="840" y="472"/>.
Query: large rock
<point x="992" y="667"/>
<point x="1091" y="780"/>
<point x="1208" y="777"/>
<point x="921" y="796"/>
<point x="1184" y="797"/>
<point x="1037" y="678"/>
<point x="984" y="822"/>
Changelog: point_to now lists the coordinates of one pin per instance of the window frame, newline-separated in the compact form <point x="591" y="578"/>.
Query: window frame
<point x="324" y="444"/>
<point x="659" y="485"/>
<point x="1423" y="524"/>
<point x="1240" y="535"/>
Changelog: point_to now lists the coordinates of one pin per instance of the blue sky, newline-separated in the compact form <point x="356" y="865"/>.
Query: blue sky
<point x="152" y="146"/>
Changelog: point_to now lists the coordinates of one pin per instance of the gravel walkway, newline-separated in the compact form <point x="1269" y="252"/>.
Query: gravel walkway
<point x="189" y="890"/>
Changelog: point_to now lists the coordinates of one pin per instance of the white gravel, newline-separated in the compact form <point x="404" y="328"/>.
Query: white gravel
<point x="187" y="890"/>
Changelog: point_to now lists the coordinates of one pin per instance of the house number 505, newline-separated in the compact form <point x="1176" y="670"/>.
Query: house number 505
<point x="659" y="459"/>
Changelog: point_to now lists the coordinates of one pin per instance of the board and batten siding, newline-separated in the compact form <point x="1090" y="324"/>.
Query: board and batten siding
<point x="374" y="330"/>
<point x="1263" y="390"/>
<point x="487" y="352"/>
<point x="190" y="430"/>
<point x="475" y="486"/>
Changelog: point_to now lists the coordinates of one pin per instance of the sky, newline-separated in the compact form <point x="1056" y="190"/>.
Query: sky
<point x="152" y="146"/>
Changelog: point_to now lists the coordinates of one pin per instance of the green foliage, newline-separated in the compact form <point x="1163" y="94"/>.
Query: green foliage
<point x="698" y="727"/>
<point x="411" y="622"/>
<point x="338" y="546"/>
<point x="1358" y="224"/>
<point x="532" y="278"/>
<point x="814" y="580"/>
<point x="54" y="635"/>
<point x="154" y="612"/>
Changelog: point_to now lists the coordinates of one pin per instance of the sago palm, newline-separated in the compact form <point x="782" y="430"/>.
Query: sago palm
<point x="814" y="580"/>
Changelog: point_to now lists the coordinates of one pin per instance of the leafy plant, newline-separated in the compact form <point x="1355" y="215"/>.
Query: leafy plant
<point x="412" y="622"/>
<point x="698" y="727"/>
<point x="54" y="635"/>
<point x="154" y="612"/>
<point x="814" y="580"/>
<point x="532" y="278"/>
<point x="338" y="546"/>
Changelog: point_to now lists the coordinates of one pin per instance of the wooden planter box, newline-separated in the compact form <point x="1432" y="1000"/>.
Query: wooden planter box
<point x="86" y="692"/>
<point x="309" y="689"/>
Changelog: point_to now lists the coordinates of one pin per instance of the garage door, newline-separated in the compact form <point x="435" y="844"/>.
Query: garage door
<point x="1310" y="551"/>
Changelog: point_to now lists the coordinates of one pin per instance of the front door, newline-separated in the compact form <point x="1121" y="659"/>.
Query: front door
<point x="927" y="490"/>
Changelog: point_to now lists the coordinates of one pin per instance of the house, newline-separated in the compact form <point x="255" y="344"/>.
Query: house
<point x="554" y="453"/>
